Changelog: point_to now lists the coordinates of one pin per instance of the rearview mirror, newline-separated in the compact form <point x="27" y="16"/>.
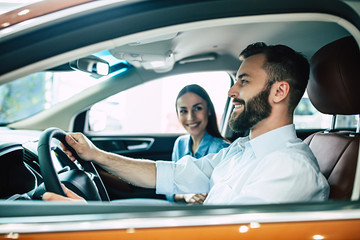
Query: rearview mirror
<point x="91" y="64"/>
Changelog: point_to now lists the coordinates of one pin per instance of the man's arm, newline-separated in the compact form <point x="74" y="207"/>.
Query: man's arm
<point x="139" y="172"/>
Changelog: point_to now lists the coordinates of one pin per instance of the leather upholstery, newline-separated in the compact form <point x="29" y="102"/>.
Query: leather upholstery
<point x="335" y="78"/>
<point x="337" y="157"/>
<point x="334" y="89"/>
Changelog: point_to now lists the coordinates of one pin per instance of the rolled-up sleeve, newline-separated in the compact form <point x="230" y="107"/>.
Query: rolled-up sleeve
<point x="188" y="175"/>
<point x="164" y="177"/>
<point x="182" y="177"/>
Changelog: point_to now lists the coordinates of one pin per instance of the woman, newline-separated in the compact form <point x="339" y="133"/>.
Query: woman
<point x="196" y="113"/>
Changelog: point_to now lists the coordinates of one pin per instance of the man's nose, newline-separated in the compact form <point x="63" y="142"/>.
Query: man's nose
<point x="234" y="91"/>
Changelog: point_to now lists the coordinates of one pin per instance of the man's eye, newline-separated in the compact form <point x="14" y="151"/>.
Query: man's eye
<point x="243" y="82"/>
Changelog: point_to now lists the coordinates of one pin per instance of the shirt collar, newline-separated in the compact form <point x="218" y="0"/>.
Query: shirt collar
<point x="204" y="144"/>
<point x="188" y="146"/>
<point x="273" y="140"/>
<point x="203" y="147"/>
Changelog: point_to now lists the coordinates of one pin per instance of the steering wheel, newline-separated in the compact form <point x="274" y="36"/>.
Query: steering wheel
<point x="86" y="183"/>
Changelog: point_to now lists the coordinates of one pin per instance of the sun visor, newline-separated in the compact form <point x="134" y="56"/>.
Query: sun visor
<point x="150" y="53"/>
<point x="150" y="61"/>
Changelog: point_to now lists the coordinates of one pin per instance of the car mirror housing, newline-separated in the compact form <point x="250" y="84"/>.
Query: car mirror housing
<point x="91" y="64"/>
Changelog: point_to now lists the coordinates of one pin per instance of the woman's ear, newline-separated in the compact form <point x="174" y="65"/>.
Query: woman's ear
<point x="282" y="90"/>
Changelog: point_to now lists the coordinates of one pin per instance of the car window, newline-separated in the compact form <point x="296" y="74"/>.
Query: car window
<point x="39" y="91"/>
<point x="36" y="92"/>
<point x="306" y="116"/>
<point x="150" y="107"/>
<point x="347" y="121"/>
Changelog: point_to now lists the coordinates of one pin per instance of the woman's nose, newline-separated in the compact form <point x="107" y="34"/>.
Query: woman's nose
<point x="190" y="115"/>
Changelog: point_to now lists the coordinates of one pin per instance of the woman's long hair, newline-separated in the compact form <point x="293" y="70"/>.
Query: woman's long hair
<point x="212" y="127"/>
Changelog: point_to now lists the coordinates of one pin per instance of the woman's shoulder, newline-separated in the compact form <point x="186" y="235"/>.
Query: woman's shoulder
<point x="184" y="137"/>
<point x="222" y="142"/>
<point x="180" y="147"/>
<point x="182" y="140"/>
<point x="217" y="140"/>
<point x="218" y="143"/>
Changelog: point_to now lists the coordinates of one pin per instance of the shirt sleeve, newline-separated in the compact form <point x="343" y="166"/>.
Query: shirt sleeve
<point x="188" y="175"/>
<point x="174" y="157"/>
<point x="175" y="152"/>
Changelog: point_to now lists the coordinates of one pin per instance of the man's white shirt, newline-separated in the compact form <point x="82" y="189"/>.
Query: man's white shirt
<point x="275" y="167"/>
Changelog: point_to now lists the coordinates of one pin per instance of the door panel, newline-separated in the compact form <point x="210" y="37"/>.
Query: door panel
<point x="143" y="147"/>
<point x="148" y="147"/>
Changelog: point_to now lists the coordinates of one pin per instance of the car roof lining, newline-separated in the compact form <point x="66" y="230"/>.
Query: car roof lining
<point x="225" y="61"/>
<point x="301" y="22"/>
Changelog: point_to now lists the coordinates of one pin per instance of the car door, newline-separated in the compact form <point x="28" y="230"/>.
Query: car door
<point x="141" y="122"/>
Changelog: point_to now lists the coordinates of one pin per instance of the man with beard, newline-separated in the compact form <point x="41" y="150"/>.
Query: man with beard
<point x="271" y="165"/>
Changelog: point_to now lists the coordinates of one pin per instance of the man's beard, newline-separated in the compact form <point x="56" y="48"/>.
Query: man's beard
<point x="256" y="109"/>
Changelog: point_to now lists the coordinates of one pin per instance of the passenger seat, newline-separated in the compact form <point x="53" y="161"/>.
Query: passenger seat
<point x="334" y="88"/>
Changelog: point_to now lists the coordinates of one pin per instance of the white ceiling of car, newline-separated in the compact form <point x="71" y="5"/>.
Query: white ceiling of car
<point x="162" y="52"/>
<point x="162" y="49"/>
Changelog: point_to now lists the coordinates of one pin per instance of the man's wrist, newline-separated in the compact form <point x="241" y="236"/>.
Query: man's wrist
<point x="99" y="156"/>
<point x="179" y="198"/>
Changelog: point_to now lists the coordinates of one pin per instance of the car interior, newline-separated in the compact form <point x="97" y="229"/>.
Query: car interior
<point x="112" y="70"/>
<point x="204" y="45"/>
<point x="332" y="89"/>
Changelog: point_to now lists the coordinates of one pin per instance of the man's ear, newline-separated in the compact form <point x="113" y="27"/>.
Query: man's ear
<point x="282" y="90"/>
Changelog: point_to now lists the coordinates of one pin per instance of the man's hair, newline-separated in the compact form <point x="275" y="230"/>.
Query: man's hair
<point x="283" y="64"/>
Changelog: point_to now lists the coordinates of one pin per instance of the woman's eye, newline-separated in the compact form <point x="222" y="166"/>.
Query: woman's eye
<point x="182" y="111"/>
<point x="198" y="108"/>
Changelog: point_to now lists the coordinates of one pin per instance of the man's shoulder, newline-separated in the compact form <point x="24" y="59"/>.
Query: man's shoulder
<point x="296" y="152"/>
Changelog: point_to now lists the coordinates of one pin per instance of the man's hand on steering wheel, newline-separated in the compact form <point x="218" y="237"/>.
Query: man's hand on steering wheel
<point x="71" y="196"/>
<point x="83" y="180"/>
<point x="85" y="149"/>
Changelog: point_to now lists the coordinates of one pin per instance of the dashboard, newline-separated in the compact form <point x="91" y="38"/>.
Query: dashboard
<point x="20" y="175"/>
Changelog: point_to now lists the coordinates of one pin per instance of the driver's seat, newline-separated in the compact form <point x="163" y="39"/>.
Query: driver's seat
<point x="334" y="88"/>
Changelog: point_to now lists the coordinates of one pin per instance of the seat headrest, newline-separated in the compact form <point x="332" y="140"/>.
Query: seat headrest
<point x="334" y="84"/>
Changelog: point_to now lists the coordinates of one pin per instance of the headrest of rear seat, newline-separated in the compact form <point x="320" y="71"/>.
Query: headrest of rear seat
<point x="334" y="84"/>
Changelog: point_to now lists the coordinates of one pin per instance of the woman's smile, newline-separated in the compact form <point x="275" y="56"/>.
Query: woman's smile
<point x="193" y="113"/>
<point x="193" y="126"/>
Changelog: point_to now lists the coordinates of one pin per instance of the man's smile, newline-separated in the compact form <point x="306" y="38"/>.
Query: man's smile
<point x="238" y="104"/>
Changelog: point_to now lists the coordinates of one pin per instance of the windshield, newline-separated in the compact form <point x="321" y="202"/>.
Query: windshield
<point x="39" y="91"/>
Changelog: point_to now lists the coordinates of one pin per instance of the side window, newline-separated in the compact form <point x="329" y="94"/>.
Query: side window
<point x="150" y="107"/>
<point x="347" y="121"/>
<point x="308" y="117"/>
